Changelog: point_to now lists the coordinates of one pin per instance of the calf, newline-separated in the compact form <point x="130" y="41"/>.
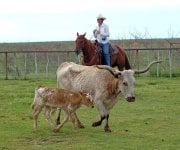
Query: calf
<point x="53" y="98"/>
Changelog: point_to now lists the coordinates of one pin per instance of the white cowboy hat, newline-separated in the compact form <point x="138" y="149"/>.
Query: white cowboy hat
<point x="100" y="16"/>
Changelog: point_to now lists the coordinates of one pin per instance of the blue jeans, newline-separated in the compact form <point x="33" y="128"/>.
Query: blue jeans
<point x="106" y="54"/>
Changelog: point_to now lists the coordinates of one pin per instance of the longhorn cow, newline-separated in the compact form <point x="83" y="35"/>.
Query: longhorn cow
<point x="103" y="83"/>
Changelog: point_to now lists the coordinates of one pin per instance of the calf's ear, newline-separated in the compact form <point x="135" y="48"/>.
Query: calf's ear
<point x="83" y="92"/>
<point x="80" y="92"/>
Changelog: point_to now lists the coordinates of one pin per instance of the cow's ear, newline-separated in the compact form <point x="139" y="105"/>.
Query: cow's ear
<point x="120" y="77"/>
<point x="77" y="34"/>
<point x="118" y="74"/>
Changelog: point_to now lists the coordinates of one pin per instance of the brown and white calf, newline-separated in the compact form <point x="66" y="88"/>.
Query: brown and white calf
<point x="53" y="98"/>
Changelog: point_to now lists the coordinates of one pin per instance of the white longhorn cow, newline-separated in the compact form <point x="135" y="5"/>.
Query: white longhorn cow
<point x="104" y="85"/>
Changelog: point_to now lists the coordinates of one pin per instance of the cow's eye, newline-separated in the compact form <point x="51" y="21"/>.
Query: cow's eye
<point x="125" y="83"/>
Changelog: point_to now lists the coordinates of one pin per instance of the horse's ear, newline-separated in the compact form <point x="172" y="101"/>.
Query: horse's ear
<point x="84" y="34"/>
<point x="77" y="34"/>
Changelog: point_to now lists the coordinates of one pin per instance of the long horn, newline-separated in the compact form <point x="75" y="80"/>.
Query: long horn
<point x="147" y="68"/>
<point x="110" y="69"/>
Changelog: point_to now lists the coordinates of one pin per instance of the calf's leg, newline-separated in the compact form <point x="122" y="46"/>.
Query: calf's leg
<point x="58" y="117"/>
<point x="48" y="113"/>
<point x="79" y="124"/>
<point x="66" y="117"/>
<point x="74" y="121"/>
<point x="74" y="115"/>
<point x="37" y="110"/>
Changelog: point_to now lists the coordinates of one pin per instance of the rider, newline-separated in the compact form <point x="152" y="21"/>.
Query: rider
<point x="101" y="33"/>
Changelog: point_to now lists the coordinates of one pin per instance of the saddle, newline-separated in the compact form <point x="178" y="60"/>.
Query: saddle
<point x="99" y="51"/>
<point x="112" y="50"/>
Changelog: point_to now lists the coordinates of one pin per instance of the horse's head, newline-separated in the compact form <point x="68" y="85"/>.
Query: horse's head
<point x="80" y="42"/>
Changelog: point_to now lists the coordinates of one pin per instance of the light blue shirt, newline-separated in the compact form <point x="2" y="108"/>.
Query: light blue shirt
<point x="103" y="37"/>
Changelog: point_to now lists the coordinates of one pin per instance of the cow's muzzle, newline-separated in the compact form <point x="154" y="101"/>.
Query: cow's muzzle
<point x="130" y="99"/>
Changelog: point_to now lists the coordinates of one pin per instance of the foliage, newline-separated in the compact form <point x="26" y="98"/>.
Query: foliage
<point x="152" y="122"/>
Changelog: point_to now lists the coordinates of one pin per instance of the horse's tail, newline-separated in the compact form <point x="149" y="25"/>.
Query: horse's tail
<point x="127" y="64"/>
<point x="123" y="53"/>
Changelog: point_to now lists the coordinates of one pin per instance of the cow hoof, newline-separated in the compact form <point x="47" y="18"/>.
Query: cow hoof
<point x="57" y="122"/>
<point x="95" y="124"/>
<point x="55" y="130"/>
<point x="80" y="126"/>
<point x="107" y="130"/>
<point x="75" y="130"/>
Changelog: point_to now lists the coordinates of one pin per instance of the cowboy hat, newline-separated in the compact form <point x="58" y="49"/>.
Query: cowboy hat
<point x="100" y="16"/>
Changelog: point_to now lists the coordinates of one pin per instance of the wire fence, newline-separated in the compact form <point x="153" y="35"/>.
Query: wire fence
<point x="29" y="64"/>
<point x="38" y="64"/>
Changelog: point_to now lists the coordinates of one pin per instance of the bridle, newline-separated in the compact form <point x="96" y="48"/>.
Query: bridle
<point x="83" y="42"/>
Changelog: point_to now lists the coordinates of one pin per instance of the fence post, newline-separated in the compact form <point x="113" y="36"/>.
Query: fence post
<point x="6" y="65"/>
<point x="170" y="61"/>
<point x="25" y="65"/>
<point x="35" y="62"/>
<point x="47" y="64"/>
<point x="157" y="64"/>
<point x="137" y="59"/>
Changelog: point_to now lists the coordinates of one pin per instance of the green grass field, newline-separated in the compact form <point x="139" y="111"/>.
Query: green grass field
<point x="150" y="123"/>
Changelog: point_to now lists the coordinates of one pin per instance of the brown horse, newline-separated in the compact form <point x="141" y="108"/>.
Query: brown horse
<point x="91" y="56"/>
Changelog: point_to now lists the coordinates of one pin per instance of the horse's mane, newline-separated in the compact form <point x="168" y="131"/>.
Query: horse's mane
<point x="90" y="44"/>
